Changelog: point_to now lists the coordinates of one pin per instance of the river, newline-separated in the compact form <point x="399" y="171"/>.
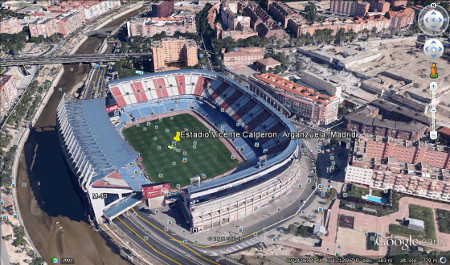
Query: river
<point x="50" y="207"/>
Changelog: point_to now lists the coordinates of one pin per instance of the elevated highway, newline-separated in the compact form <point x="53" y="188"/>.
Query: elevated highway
<point x="69" y="59"/>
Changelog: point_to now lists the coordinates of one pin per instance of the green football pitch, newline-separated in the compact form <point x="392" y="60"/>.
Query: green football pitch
<point x="210" y="156"/>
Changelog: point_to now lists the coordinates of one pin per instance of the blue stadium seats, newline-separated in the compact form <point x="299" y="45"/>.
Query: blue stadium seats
<point x="236" y="108"/>
<point x="158" y="108"/>
<point x="146" y="110"/>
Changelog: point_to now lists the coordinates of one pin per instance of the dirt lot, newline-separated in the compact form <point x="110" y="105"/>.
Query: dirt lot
<point x="351" y="237"/>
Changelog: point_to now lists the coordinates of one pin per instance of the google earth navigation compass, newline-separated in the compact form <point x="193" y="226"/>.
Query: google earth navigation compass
<point x="433" y="20"/>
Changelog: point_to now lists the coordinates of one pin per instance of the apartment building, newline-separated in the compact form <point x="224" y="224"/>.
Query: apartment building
<point x="232" y="24"/>
<point x="64" y="24"/>
<point x="8" y="93"/>
<point x="318" y="82"/>
<point x="70" y="21"/>
<point x="267" y="64"/>
<point x="234" y="34"/>
<point x="356" y="24"/>
<point x="43" y="27"/>
<point x="377" y="119"/>
<point x="212" y="15"/>
<point x="415" y="168"/>
<point x="359" y="18"/>
<point x="379" y="6"/>
<point x="163" y="8"/>
<point x="150" y="26"/>
<point x="243" y="56"/>
<point x="302" y="101"/>
<point x="349" y="8"/>
<point x="401" y="18"/>
<point x="262" y="22"/>
<point x="282" y="13"/>
<point x="10" y="26"/>
<point x="228" y="15"/>
<point x="90" y="9"/>
<point x="96" y="9"/>
<point x="171" y="54"/>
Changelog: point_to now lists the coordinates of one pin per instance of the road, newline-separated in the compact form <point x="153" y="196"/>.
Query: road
<point x="157" y="244"/>
<point x="96" y="87"/>
<point x="4" y="257"/>
<point x="69" y="59"/>
<point x="139" y="223"/>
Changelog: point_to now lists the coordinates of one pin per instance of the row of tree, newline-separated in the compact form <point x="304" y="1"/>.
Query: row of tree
<point x="24" y="111"/>
<point x="229" y="44"/>
<point x="9" y="13"/>
<point x="201" y="20"/>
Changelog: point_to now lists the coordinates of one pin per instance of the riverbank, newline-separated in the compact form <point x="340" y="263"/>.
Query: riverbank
<point x="50" y="208"/>
<point x="22" y="253"/>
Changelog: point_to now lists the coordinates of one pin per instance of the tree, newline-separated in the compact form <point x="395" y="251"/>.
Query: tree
<point x="341" y="36"/>
<point x="292" y="229"/>
<point x="202" y="20"/>
<point x="5" y="13"/>
<point x="352" y="35"/>
<point x="37" y="261"/>
<point x="18" y="242"/>
<point x="343" y="110"/>
<point x="311" y="14"/>
<point x="298" y="65"/>
<point x="332" y="194"/>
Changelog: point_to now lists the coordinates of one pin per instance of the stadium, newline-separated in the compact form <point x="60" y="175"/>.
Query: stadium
<point x="125" y="154"/>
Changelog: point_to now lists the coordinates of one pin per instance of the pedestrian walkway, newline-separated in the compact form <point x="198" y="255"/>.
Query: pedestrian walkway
<point x="231" y="230"/>
<point x="333" y="242"/>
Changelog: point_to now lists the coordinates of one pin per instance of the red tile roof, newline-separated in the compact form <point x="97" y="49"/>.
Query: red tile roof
<point x="444" y="130"/>
<point x="294" y="88"/>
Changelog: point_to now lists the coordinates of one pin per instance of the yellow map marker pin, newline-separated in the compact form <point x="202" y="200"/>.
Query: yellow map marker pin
<point x="177" y="137"/>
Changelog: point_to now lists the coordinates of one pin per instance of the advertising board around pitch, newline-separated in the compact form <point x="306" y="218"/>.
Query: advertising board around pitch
<point x="154" y="190"/>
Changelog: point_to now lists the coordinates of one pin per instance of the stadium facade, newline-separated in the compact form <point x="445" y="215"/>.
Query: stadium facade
<point x="104" y="163"/>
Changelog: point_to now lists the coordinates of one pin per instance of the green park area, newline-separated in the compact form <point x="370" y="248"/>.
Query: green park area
<point x="421" y="213"/>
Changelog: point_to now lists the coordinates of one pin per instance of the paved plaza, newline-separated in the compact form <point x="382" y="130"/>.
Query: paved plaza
<point x="350" y="241"/>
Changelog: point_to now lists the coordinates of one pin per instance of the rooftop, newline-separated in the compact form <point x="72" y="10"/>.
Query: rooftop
<point x="106" y="149"/>
<point x="444" y="130"/>
<point x="415" y="222"/>
<point x="187" y="42"/>
<point x="122" y="205"/>
<point x="363" y="115"/>
<point x="268" y="62"/>
<point x="161" y="21"/>
<point x="4" y="79"/>
<point x="243" y="51"/>
<point x="382" y="104"/>
<point x="294" y="88"/>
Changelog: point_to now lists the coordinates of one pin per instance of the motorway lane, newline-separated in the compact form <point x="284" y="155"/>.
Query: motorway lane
<point x="95" y="88"/>
<point x="151" y="246"/>
<point x="67" y="59"/>
<point x="171" y="242"/>
<point x="91" y="84"/>
<point x="101" y="87"/>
